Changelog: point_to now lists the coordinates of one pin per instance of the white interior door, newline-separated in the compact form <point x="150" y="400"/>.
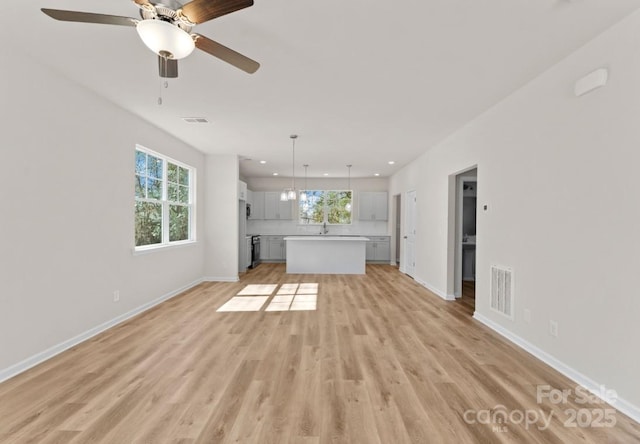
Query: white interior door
<point x="410" y="234"/>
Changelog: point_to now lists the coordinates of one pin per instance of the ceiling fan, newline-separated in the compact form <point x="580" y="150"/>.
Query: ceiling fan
<point x="165" y="28"/>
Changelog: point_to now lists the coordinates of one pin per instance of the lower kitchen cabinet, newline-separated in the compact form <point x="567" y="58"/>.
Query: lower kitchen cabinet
<point x="273" y="248"/>
<point x="378" y="249"/>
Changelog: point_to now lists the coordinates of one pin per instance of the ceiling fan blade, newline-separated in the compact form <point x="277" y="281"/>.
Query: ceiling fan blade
<point x="199" y="11"/>
<point x="226" y="54"/>
<point x="168" y="68"/>
<point x="89" y="17"/>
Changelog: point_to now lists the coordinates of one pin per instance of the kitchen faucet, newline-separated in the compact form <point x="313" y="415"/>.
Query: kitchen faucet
<point x="324" y="228"/>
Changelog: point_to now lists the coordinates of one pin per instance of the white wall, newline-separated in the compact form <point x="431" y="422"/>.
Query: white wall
<point x="371" y="228"/>
<point x="558" y="175"/>
<point x="66" y="213"/>
<point x="222" y="229"/>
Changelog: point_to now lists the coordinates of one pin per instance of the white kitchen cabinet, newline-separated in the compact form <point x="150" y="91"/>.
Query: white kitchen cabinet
<point x="372" y="205"/>
<point x="274" y="208"/>
<point x="242" y="190"/>
<point x="272" y="248"/>
<point x="378" y="249"/>
<point x="257" y="205"/>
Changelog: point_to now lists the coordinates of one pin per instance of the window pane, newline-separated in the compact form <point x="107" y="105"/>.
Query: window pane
<point x="154" y="189"/>
<point x="148" y="223"/>
<point x="312" y="211"/>
<point x="172" y="172"/>
<point x="178" y="223"/>
<point x="183" y="196"/>
<point x="140" y="186"/>
<point x="154" y="167"/>
<point x="338" y="212"/>
<point x="141" y="163"/>
<point x="172" y="191"/>
<point x="184" y="176"/>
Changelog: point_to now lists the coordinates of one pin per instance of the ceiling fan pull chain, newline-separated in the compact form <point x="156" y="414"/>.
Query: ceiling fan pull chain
<point x="164" y="84"/>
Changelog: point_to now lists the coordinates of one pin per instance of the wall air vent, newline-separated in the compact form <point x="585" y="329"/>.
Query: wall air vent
<point x="195" y="120"/>
<point x="501" y="290"/>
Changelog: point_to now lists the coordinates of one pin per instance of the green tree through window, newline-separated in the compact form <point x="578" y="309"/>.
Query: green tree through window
<point x="163" y="200"/>
<point x="324" y="206"/>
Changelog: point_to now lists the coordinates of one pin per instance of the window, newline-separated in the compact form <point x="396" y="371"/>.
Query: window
<point x="332" y="207"/>
<point x="164" y="208"/>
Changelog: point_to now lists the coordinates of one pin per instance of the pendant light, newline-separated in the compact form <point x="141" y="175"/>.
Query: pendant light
<point x="303" y="193"/>
<point x="348" y="205"/>
<point x="290" y="193"/>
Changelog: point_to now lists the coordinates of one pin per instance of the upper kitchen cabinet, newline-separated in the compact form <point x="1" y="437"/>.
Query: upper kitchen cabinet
<point x="257" y="205"/>
<point x="372" y="205"/>
<point x="274" y="208"/>
<point x="242" y="190"/>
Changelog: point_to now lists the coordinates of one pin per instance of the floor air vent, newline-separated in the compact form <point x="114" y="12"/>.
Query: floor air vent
<point x="502" y="290"/>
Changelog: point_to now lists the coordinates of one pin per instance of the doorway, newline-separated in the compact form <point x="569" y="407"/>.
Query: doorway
<point x="466" y="192"/>
<point x="410" y="233"/>
<point x="397" y="205"/>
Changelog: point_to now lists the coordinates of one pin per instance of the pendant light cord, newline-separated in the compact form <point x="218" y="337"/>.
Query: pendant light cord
<point x="293" y="163"/>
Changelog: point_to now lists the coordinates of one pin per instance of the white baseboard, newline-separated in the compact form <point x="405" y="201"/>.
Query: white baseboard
<point x="620" y="404"/>
<point x="49" y="353"/>
<point x="221" y="279"/>
<point x="434" y="290"/>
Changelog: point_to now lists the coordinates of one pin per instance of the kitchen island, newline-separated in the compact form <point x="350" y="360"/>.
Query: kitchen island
<point x="326" y="254"/>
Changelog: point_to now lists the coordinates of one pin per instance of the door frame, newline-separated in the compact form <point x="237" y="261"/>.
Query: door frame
<point x="455" y="227"/>
<point x="407" y="205"/>
<point x="396" y="231"/>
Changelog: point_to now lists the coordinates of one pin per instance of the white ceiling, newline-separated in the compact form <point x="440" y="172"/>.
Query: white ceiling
<point x="362" y="82"/>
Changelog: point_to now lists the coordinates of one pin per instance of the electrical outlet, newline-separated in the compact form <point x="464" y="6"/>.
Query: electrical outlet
<point x="527" y="316"/>
<point x="116" y="296"/>
<point x="553" y="328"/>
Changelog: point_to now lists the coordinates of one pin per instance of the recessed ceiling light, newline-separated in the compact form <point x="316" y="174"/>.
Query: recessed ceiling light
<point x="263" y="162"/>
<point x="325" y="174"/>
<point x="275" y="174"/>
<point x="376" y="174"/>
<point x="391" y="162"/>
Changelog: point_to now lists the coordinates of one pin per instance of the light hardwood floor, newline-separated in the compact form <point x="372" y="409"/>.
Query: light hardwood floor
<point x="381" y="360"/>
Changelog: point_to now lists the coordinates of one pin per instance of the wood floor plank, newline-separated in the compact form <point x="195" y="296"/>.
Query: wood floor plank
<point x="380" y="360"/>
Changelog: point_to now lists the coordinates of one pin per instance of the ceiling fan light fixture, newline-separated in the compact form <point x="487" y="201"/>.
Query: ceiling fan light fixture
<point x="162" y="37"/>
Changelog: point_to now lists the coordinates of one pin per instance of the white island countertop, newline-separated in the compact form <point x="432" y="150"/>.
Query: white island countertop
<point x="324" y="237"/>
<point x="326" y="254"/>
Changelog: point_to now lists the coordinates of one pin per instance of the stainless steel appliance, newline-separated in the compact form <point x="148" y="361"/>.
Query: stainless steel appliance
<point x="255" y="251"/>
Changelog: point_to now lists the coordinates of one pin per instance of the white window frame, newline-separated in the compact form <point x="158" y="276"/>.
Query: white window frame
<point x="166" y="203"/>
<point x="325" y="211"/>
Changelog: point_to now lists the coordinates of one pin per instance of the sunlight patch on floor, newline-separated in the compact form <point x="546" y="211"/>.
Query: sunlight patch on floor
<point x="289" y="297"/>
<point x="244" y="303"/>
<point x="295" y="297"/>
<point x="258" y="290"/>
